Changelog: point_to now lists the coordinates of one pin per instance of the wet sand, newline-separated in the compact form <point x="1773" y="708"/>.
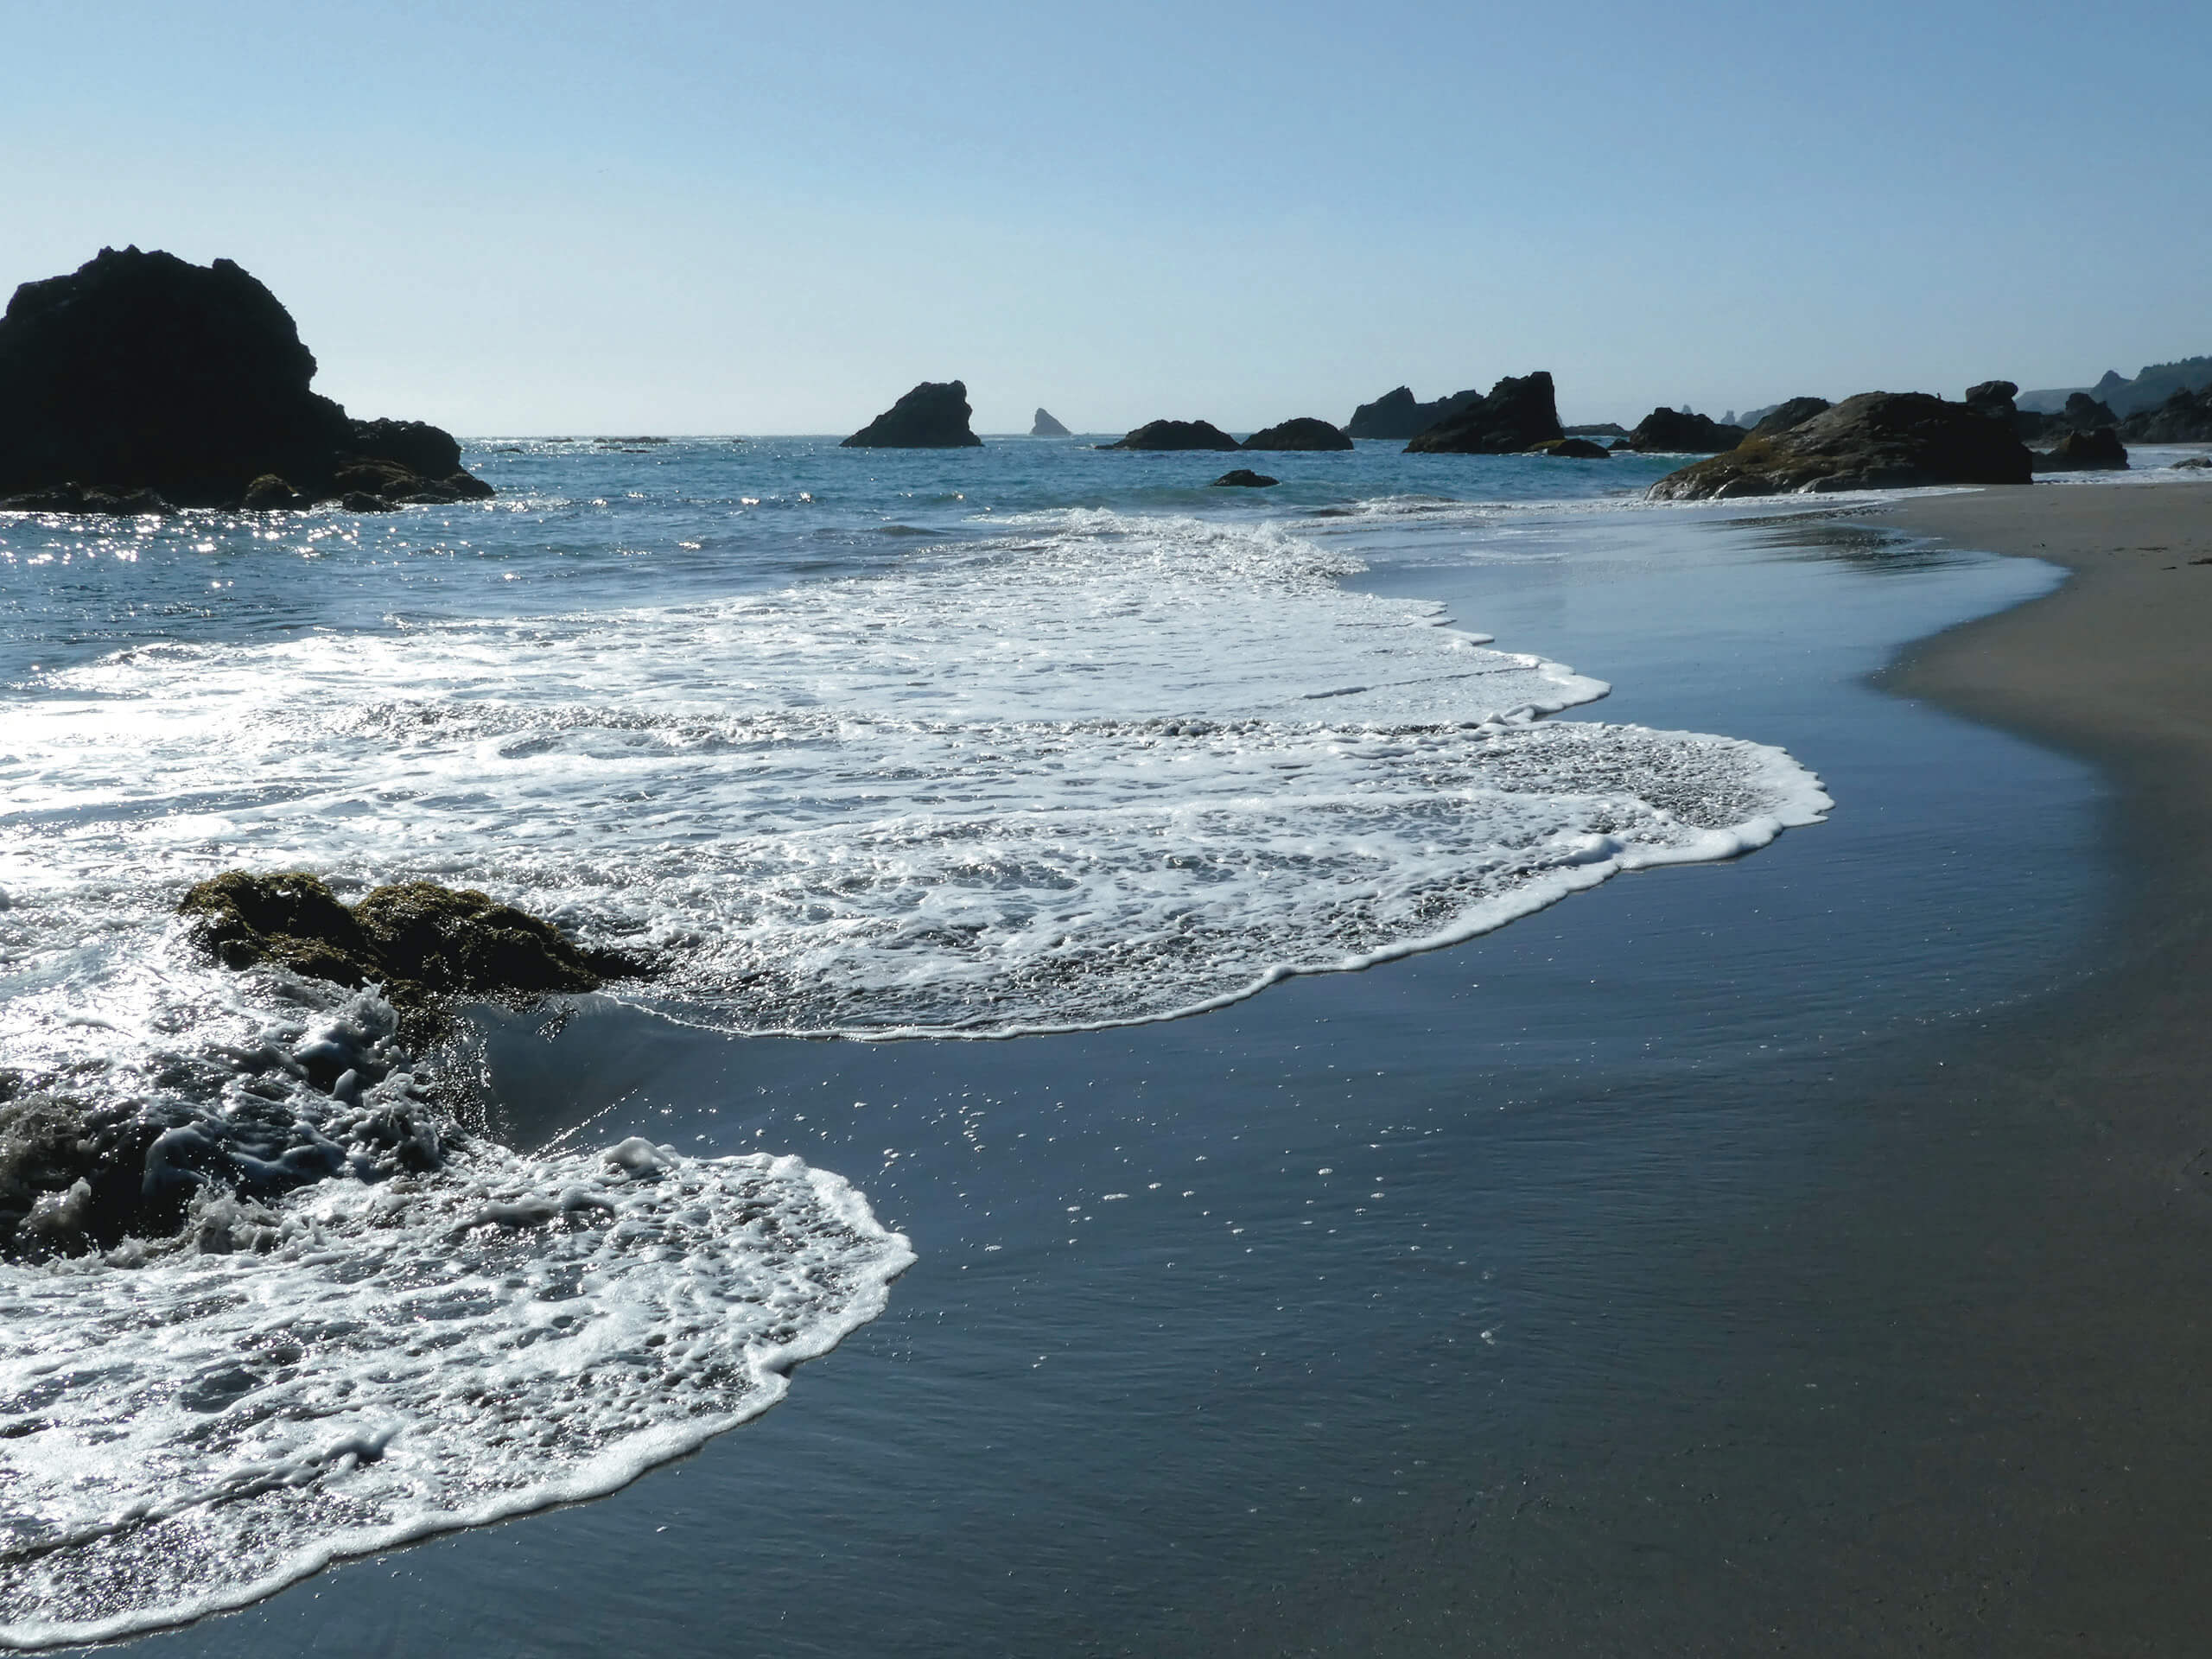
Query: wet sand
<point x="1961" y="1402"/>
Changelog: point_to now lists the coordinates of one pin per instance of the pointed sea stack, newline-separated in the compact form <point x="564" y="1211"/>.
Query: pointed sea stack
<point x="1305" y="432"/>
<point x="933" y="416"/>
<point x="1046" y="427"/>
<point x="1519" y="414"/>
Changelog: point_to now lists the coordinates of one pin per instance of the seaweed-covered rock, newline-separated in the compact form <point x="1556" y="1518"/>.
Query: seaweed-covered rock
<point x="1303" y="432"/>
<point x="1243" y="478"/>
<point x="141" y="373"/>
<point x="1670" y="431"/>
<point x="1572" y="449"/>
<point x="1519" y="412"/>
<point x="1175" y="435"/>
<point x="933" y="416"/>
<point x="2100" y="451"/>
<point x="1877" y="440"/>
<point x="1783" y="416"/>
<point x="270" y="493"/>
<point x="1045" y="426"/>
<point x="77" y="498"/>
<point x="1398" y="415"/>
<point x="425" y="944"/>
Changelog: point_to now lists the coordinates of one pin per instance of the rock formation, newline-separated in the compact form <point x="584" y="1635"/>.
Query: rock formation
<point x="1303" y="433"/>
<point x="1045" y="426"/>
<point x="143" y="380"/>
<point x="425" y="944"/>
<point x="1176" y="434"/>
<point x="1878" y="440"/>
<point x="1518" y="413"/>
<point x="1670" y="431"/>
<point x="1395" y="415"/>
<point x="1783" y="416"/>
<point x="1243" y="478"/>
<point x="1572" y="449"/>
<point x="1602" y="429"/>
<point x="2100" y="451"/>
<point x="2185" y="417"/>
<point x="933" y="416"/>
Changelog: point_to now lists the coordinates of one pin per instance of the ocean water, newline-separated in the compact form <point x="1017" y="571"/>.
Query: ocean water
<point x="887" y="753"/>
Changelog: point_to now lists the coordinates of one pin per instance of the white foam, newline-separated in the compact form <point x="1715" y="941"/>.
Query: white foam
<point x="438" y="1351"/>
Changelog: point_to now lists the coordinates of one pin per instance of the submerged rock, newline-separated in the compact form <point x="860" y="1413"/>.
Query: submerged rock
<point x="1670" y="431"/>
<point x="1878" y="440"/>
<point x="1243" y="478"/>
<point x="1045" y="426"/>
<point x="1303" y="432"/>
<point x="2100" y="451"/>
<point x="1783" y="417"/>
<point x="141" y="373"/>
<point x="424" y="945"/>
<point x="1572" y="449"/>
<point x="1176" y="434"/>
<point x="1397" y="415"/>
<point x="933" y="416"/>
<point x="1519" y="413"/>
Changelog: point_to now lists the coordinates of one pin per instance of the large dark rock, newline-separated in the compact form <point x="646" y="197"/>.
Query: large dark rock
<point x="1045" y="426"/>
<point x="2185" y="417"/>
<point x="139" y="372"/>
<point x="1670" y="431"/>
<point x="1878" y="440"/>
<point x="1519" y="413"/>
<point x="1398" y="415"/>
<point x="933" y="416"/>
<point x="1175" y="435"/>
<point x="1303" y="432"/>
<point x="425" y="944"/>
<point x="1993" y="399"/>
<point x="1571" y="449"/>
<point x="2100" y="451"/>
<point x="1243" y="478"/>
<point x="1795" y="412"/>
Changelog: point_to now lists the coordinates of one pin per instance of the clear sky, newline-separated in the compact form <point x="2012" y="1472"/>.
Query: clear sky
<point x="680" y="217"/>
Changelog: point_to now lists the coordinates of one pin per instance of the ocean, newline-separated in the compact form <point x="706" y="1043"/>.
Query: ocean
<point x="1235" y="1013"/>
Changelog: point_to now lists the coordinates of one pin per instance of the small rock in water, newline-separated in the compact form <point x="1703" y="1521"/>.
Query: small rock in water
<point x="1243" y="478"/>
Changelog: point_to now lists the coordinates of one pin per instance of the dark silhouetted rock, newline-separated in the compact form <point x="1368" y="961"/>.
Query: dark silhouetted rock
<point x="1602" y="429"/>
<point x="2100" y="451"/>
<point x="140" y="372"/>
<point x="1783" y="416"/>
<point x="1243" y="478"/>
<point x="1396" y="414"/>
<point x="1571" y="449"/>
<point x="1993" y="399"/>
<point x="1670" y="431"/>
<point x="2194" y="464"/>
<point x="270" y="493"/>
<point x="2083" y="413"/>
<point x="1878" y="440"/>
<point x="425" y="944"/>
<point x="1303" y="433"/>
<point x="2185" y="417"/>
<point x="1175" y="435"/>
<point x="1045" y="426"/>
<point x="1617" y="446"/>
<point x="933" y="416"/>
<point x="1519" y="413"/>
<point x="72" y="498"/>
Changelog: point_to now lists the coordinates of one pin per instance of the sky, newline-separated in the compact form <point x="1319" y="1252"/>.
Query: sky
<point x="676" y="217"/>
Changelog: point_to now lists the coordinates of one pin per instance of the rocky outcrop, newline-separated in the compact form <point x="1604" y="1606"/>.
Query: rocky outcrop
<point x="1176" y="434"/>
<point x="1602" y="429"/>
<point x="1395" y="415"/>
<point x="427" y="945"/>
<point x="1243" y="478"/>
<point x="140" y="372"/>
<point x="2100" y="451"/>
<point x="1572" y="449"/>
<point x="1518" y="413"/>
<point x="2185" y="417"/>
<point x="933" y="416"/>
<point x="1303" y="433"/>
<point x="1783" y="416"/>
<point x="1878" y="440"/>
<point x="1045" y="426"/>
<point x="1671" y="431"/>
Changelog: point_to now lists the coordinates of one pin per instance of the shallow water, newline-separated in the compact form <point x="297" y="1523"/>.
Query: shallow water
<point x="1195" y="1301"/>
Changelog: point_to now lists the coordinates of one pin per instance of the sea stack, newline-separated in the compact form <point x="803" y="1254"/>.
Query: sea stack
<point x="933" y="416"/>
<point x="1045" y="426"/>
<point x="1305" y="432"/>
<point x="1396" y="414"/>
<point x="140" y="381"/>
<point x="1674" y="431"/>
<point x="1519" y="414"/>
<point x="1175" y="435"/>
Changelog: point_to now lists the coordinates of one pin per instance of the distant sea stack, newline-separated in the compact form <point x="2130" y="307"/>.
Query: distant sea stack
<point x="1876" y="441"/>
<point x="1303" y="433"/>
<point x="1395" y="416"/>
<point x="1519" y="414"/>
<point x="1175" y="435"/>
<point x="1674" y="431"/>
<point x="1045" y="426"/>
<point x="141" y="382"/>
<point x="933" y="416"/>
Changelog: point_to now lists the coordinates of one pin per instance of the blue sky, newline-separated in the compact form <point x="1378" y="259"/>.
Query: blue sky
<point x="678" y="217"/>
